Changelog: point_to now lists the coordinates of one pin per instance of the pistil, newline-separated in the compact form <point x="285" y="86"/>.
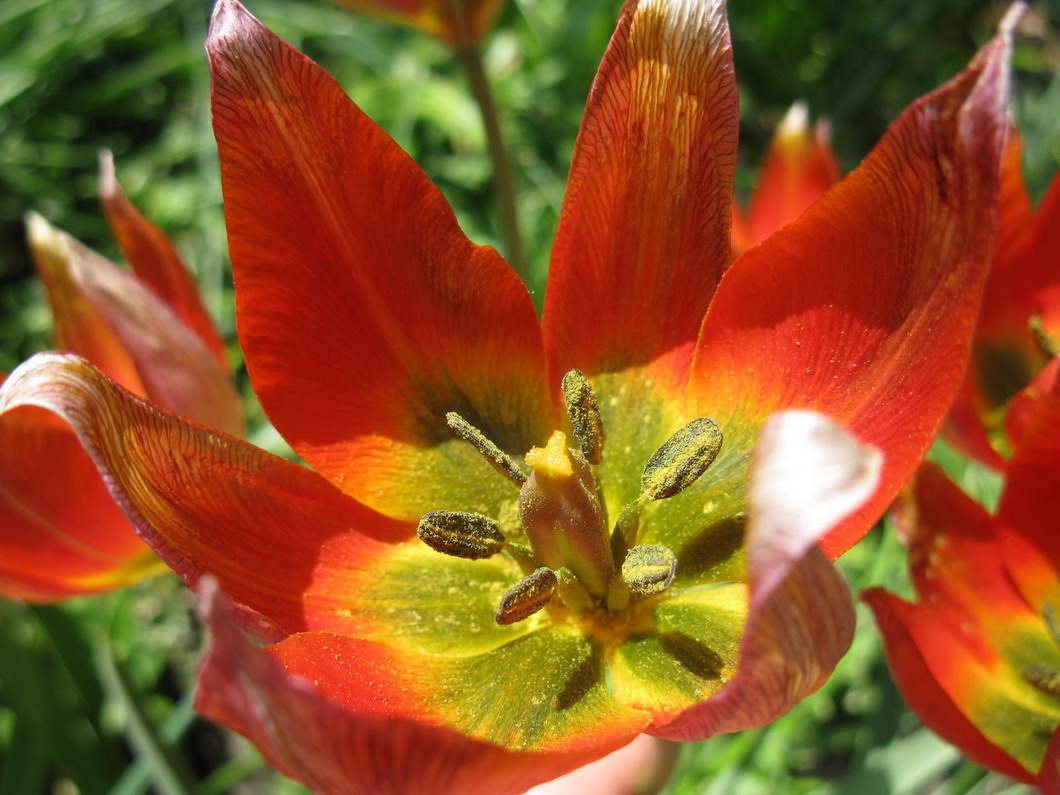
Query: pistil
<point x="563" y="517"/>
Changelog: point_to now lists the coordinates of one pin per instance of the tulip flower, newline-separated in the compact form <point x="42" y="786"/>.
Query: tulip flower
<point x="1019" y="326"/>
<point x="524" y="542"/>
<point x="799" y="167"/>
<point x="460" y="23"/>
<point x="64" y="537"/>
<point x="977" y="656"/>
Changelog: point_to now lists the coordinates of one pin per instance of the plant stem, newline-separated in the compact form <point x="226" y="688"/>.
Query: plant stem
<point x="503" y="175"/>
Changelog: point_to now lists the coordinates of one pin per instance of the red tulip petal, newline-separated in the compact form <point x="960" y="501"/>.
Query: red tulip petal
<point x="806" y="475"/>
<point x="276" y="535"/>
<point x="644" y="233"/>
<point x="864" y="307"/>
<point x="79" y="325"/>
<point x="461" y="24"/>
<point x="171" y="364"/>
<point x="964" y="430"/>
<point x="1023" y="408"/>
<point x="1046" y="251"/>
<point x="1028" y="505"/>
<point x="61" y="534"/>
<point x="364" y="312"/>
<point x="155" y="260"/>
<point x="958" y="568"/>
<point x="340" y="715"/>
<point x="1049" y="776"/>
<point x="799" y="167"/>
<point x="902" y="626"/>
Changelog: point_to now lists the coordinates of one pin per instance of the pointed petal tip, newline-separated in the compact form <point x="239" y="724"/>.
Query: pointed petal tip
<point x="228" y="16"/>
<point x="1012" y="18"/>
<point x="108" y="180"/>
<point x="796" y="121"/>
<point x="43" y="238"/>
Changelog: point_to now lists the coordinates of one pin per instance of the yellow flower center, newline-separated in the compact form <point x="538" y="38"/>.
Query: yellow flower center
<point x="576" y="562"/>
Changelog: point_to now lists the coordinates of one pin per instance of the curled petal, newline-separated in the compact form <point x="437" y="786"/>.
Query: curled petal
<point x="276" y="535"/>
<point x="332" y="712"/>
<point x="644" y="233"/>
<point x="807" y="474"/>
<point x="61" y="534"/>
<point x="366" y="315"/>
<point x="864" y="307"/>
<point x="105" y="313"/>
<point x="155" y="260"/>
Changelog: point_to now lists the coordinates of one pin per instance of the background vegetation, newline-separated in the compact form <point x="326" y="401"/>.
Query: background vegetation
<point x="95" y="694"/>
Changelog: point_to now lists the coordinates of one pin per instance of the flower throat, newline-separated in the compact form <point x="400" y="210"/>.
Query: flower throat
<point x="575" y="558"/>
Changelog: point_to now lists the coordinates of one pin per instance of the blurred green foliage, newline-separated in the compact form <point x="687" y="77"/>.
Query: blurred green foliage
<point x="95" y="694"/>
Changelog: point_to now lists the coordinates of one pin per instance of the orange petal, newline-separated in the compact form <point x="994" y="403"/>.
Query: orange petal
<point x="104" y="313"/>
<point x="799" y="167"/>
<point x="958" y="568"/>
<point x="806" y="475"/>
<point x="276" y="535"/>
<point x="904" y="627"/>
<point x="964" y="429"/>
<point x="79" y="325"/>
<point x="61" y="534"/>
<point x="1028" y="506"/>
<point x="364" y="312"/>
<point x="461" y="24"/>
<point x="1023" y="408"/>
<point x="155" y="260"/>
<point x="1046" y="251"/>
<point x="333" y="713"/>
<point x="644" y="233"/>
<point x="864" y="307"/>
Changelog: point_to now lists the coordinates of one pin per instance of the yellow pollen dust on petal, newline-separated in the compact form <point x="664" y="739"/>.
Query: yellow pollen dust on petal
<point x="553" y="460"/>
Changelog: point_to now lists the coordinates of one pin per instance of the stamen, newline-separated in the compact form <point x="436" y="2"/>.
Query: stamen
<point x="682" y="459"/>
<point x="584" y="414"/>
<point x="562" y="514"/>
<point x="499" y="459"/>
<point x="527" y="596"/>
<point x="649" y="569"/>
<point x="463" y="535"/>
<point x="1042" y="677"/>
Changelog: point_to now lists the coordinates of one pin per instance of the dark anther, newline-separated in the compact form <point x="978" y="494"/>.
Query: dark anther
<point x="1042" y="677"/>
<point x="682" y="459"/>
<point x="527" y="596"/>
<point x="584" y="413"/>
<point x="500" y="460"/>
<point x="462" y="535"/>
<point x="649" y="569"/>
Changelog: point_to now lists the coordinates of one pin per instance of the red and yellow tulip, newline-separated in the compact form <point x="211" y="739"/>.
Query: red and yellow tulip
<point x="798" y="168"/>
<point x="149" y="333"/>
<point x="1019" y="326"/>
<point x="526" y="542"/>
<point x="978" y="654"/>
<point x="461" y="23"/>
